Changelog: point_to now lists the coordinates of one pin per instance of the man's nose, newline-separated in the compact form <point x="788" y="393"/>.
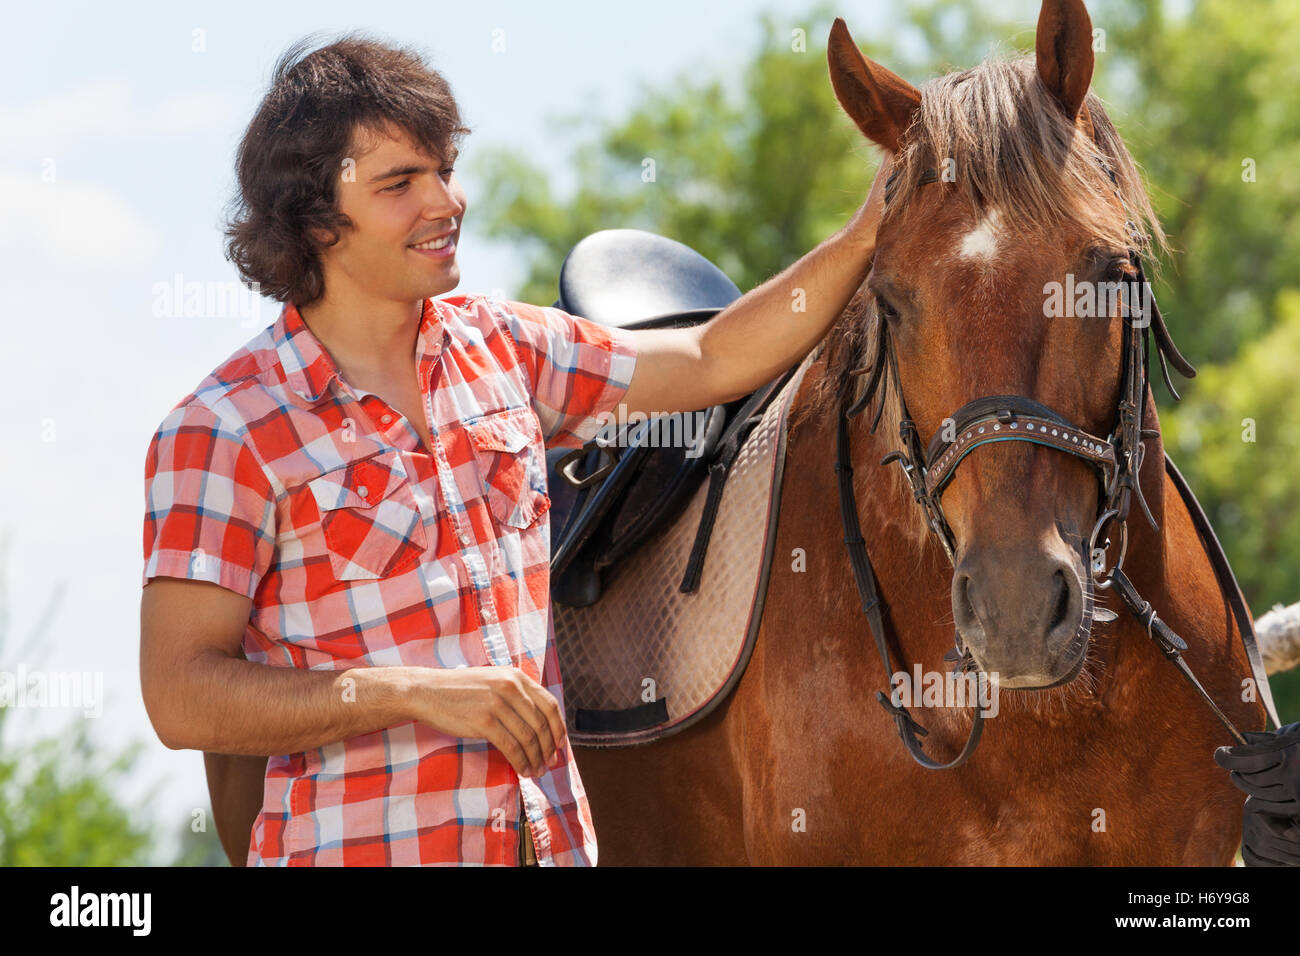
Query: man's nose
<point x="442" y="201"/>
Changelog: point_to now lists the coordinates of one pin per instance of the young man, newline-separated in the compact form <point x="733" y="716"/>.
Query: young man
<point x="346" y="537"/>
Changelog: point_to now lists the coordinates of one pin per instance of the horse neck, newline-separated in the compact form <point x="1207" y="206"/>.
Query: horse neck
<point x="913" y="575"/>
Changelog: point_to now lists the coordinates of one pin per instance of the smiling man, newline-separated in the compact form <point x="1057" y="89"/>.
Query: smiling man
<point x="346" y="534"/>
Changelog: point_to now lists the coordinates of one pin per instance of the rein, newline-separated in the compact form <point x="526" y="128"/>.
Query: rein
<point x="1117" y="460"/>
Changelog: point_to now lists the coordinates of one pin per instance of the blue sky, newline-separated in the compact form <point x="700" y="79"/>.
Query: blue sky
<point x="117" y="135"/>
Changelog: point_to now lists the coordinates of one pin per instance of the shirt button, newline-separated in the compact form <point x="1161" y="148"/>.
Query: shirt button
<point x="487" y="614"/>
<point x="464" y="538"/>
<point x="386" y="419"/>
<point x="363" y="491"/>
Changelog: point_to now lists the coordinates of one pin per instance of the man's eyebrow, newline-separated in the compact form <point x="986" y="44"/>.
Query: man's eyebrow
<point x="399" y="171"/>
<point x="409" y="170"/>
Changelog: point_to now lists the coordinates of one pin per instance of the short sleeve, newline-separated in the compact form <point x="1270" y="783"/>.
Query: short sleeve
<point x="577" y="369"/>
<point x="209" y="509"/>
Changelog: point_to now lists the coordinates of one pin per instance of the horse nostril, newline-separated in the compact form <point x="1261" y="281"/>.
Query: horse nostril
<point x="963" y="609"/>
<point x="1062" y="600"/>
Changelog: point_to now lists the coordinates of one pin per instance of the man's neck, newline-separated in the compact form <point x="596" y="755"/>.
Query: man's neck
<point x="365" y="336"/>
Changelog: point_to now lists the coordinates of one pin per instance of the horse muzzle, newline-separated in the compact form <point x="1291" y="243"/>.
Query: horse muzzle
<point x="1021" y="613"/>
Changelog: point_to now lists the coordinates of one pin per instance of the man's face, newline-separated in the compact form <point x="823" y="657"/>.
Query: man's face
<point x="406" y="209"/>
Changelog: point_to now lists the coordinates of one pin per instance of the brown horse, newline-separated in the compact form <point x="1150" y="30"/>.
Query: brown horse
<point x="1100" y="753"/>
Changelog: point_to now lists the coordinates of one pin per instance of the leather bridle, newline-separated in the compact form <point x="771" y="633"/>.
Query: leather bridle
<point x="1117" y="460"/>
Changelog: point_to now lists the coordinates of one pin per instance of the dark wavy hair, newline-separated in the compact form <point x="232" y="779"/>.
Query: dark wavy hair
<point x="292" y="154"/>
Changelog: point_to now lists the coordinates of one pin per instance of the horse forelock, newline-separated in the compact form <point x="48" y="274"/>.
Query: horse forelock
<point x="999" y="137"/>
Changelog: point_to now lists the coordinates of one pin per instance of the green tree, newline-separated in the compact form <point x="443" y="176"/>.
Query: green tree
<point x="1213" y="114"/>
<point x="57" y="801"/>
<point x="1240" y="427"/>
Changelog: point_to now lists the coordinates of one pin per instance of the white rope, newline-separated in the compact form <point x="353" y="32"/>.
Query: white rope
<point x="1278" y="632"/>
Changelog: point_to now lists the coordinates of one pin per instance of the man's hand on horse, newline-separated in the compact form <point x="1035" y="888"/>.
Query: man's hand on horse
<point x="864" y="223"/>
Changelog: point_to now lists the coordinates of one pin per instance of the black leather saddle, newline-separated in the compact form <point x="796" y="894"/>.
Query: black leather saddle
<point x="607" y="500"/>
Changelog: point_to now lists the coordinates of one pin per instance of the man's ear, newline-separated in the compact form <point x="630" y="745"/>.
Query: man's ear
<point x="879" y="101"/>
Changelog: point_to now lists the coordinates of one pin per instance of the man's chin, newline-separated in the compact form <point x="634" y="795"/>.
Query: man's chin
<point x="439" y="287"/>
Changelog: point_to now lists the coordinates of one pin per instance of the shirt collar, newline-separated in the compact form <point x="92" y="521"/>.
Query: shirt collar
<point x="308" y="368"/>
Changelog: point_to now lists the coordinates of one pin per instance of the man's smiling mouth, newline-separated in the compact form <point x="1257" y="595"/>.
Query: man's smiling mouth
<point x="439" y="247"/>
<point x="434" y="243"/>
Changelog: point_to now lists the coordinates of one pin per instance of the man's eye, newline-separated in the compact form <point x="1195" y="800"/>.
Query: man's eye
<point x="398" y="187"/>
<point x="446" y="173"/>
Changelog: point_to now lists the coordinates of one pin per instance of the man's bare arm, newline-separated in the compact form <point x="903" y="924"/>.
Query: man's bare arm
<point x="762" y="333"/>
<point x="201" y="695"/>
<point x="235" y="787"/>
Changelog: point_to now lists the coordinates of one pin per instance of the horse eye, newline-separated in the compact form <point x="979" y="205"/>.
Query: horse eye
<point x="885" y="310"/>
<point x="1118" y="269"/>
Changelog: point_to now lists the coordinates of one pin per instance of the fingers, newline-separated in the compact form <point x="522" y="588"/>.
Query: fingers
<point x="549" y="708"/>
<point x="534" y="721"/>
<point x="502" y="705"/>
<point x="1247" y="762"/>
<point x="1270" y="840"/>
<point x="511" y="735"/>
<point x="1269" y="799"/>
<point x="1263" y="776"/>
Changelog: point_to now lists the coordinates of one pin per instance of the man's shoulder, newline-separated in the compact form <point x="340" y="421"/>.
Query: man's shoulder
<point x="241" y="388"/>
<point x="478" y="309"/>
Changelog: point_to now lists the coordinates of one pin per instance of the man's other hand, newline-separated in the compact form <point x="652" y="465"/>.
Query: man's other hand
<point x="501" y="705"/>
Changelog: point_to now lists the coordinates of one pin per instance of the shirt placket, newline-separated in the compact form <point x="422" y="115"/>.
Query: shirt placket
<point x="493" y="637"/>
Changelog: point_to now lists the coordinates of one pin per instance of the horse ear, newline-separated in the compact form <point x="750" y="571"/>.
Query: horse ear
<point x="880" y="102"/>
<point x="1064" y="48"/>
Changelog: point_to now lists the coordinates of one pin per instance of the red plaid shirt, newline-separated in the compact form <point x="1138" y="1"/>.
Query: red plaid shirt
<point x="279" y="481"/>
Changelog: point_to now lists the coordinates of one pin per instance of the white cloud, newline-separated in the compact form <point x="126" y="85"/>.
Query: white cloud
<point x="77" y="226"/>
<point x="106" y="108"/>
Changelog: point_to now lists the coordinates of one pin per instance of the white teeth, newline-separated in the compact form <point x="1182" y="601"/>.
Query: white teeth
<point x="435" y="244"/>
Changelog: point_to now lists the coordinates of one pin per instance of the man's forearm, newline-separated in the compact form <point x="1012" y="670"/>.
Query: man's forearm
<point x="774" y="325"/>
<point x="232" y="706"/>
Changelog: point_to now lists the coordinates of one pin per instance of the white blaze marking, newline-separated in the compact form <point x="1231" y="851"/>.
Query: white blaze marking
<point x="982" y="241"/>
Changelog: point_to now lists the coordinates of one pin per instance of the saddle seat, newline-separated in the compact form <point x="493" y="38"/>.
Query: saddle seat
<point x="607" y="499"/>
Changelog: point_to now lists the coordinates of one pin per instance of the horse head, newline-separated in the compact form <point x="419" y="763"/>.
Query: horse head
<point x="1012" y="199"/>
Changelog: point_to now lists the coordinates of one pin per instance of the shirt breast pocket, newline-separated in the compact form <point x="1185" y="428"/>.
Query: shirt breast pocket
<point x="369" y="517"/>
<point x="511" y="465"/>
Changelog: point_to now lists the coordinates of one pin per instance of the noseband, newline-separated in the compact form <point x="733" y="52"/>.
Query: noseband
<point x="1117" y="460"/>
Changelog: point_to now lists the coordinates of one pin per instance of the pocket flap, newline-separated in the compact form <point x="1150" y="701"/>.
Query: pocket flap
<point x="360" y="484"/>
<point x="509" y="431"/>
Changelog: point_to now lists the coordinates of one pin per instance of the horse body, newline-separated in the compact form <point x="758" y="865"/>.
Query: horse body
<point x="1100" y="752"/>
<point x="802" y="766"/>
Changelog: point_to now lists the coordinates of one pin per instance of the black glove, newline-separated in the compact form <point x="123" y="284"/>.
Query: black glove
<point x="1267" y="769"/>
<point x="1269" y="840"/>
